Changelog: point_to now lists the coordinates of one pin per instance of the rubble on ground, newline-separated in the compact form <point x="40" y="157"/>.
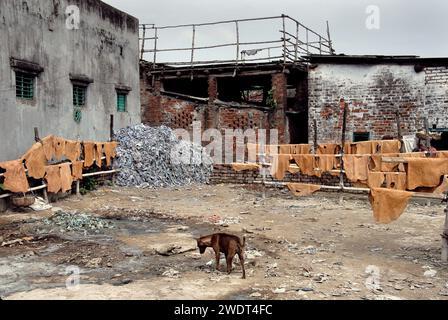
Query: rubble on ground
<point x="153" y="157"/>
<point x="80" y="222"/>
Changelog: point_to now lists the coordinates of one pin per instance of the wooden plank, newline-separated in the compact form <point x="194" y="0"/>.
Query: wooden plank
<point x="420" y="195"/>
<point x="6" y="195"/>
<point x="445" y="238"/>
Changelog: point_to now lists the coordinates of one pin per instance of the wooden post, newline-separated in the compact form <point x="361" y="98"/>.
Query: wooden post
<point x="193" y="40"/>
<point x="45" y="194"/>
<point x="36" y="135"/>
<point x="111" y="133"/>
<point x="296" y="53"/>
<point x="307" y="44"/>
<point x="237" y="42"/>
<point x="143" y="42"/>
<point x="399" y="133"/>
<point x="428" y="139"/>
<point x="329" y="39"/>
<point x="284" y="40"/>
<point x="78" y="193"/>
<point x="344" y="127"/>
<point x="155" y="47"/>
<point x="315" y="135"/>
<point x="445" y="237"/>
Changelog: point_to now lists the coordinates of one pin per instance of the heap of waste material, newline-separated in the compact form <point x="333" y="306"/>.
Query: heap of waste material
<point x="81" y="222"/>
<point x="153" y="157"/>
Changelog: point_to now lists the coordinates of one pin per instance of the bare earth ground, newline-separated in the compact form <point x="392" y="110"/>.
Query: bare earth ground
<point x="321" y="247"/>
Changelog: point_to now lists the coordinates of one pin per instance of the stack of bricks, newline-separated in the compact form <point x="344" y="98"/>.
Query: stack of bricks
<point x="223" y="173"/>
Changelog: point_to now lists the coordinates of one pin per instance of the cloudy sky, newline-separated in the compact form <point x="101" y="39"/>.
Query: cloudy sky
<point x="403" y="28"/>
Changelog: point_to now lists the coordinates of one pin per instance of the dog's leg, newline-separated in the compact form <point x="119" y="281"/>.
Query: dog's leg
<point x="241" y="256"/>
<point x="229" y="262"/>
<point x="217" y="256"/>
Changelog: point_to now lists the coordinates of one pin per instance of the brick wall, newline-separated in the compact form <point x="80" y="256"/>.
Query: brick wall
<point x="373" y="92"/>
<point x="436" y="96"/>
<point x="225" y="174"/>
<point x="160" y="109"/>
<point x="278" y="118"/>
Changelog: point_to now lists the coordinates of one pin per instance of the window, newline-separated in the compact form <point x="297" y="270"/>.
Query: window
<point x="361" y="136"/>
<point x="121" y="101"/>
<point x="79" y="95"/>
<point x="25" y="85"/>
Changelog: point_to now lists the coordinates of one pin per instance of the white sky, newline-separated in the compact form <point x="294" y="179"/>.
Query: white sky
<point x="407" y="27"/>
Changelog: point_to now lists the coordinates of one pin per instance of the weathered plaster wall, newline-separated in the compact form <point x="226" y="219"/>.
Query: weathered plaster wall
<point x="104" y="48"/>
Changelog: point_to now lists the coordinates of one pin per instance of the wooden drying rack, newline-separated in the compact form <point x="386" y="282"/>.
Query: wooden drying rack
<point x="343" y="188"/>
<point x="43" y="187"/>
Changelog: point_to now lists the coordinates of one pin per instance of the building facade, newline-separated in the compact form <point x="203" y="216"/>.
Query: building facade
<point x="66" y="66"/>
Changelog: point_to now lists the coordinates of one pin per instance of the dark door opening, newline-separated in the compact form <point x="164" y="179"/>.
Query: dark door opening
<point x="298" y="127"/>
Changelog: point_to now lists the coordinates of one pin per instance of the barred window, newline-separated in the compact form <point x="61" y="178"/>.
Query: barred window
<point x="79" y="95"/>
<point x="25" y="85"/>
<point x="121" y="101"/>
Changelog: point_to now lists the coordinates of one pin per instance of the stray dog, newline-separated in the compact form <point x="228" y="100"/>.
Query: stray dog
<point x="227" y="244"/>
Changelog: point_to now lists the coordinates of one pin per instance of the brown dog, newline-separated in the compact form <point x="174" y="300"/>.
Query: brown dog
<point x="227" y="244"/>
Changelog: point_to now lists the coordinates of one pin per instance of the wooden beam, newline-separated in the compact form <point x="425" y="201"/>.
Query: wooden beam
<point x="445" y="238"/>
<point x="421" y="195"/>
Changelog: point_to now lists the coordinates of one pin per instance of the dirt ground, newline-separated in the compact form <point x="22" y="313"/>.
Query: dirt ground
<point x="326" y="246"/>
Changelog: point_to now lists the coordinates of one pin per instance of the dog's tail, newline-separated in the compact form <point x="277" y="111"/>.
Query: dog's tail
<point x="244" y="242"/>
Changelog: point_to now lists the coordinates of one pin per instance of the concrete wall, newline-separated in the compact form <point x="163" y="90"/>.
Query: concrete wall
<point x="104" y="48"/>
<point x="374" y="93"/>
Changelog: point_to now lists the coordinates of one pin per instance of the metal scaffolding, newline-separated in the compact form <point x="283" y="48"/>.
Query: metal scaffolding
<point x="295" y="42"/>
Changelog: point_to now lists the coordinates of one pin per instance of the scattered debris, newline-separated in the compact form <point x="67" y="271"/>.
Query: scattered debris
<point x="81" y="222"/>
<point x="153" y="157"/>
<point x="168" y="250"/>
<point x="279" y="290"/>
<point x="252" y="254"/>
<point x="255" y="295"/>
<point x="431" y="273"/>
<point x="17" y="241"/>
<point x="171" y="273"/>
<point x="40" y="205"/>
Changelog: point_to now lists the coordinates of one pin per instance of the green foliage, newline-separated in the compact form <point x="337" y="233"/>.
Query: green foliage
<point x="2" y="186"/>
<point x="270" y="101"/>
<point x="87" y="184"/>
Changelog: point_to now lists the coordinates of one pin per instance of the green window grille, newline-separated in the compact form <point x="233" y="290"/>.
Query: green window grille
<point x="79" y="95"/>
<point x="121" y="102"/>
<point x="25" y="85"/>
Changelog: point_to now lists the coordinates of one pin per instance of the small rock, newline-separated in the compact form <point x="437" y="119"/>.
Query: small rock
<point x="444" y="292"/>
<point x="305" y="289"/>
<point x="171" y="273"/>
<point x="167" y="250"/>
<point x="255" y="295"/>
<point x="431" y="273"/>
<point x="279" y="290"/>
<point x="94" y="263"/>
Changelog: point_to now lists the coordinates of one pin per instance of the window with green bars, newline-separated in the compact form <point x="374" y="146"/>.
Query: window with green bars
<point x="79" y="95"/>
<point x="121" y="101"/>
<point x="25" y="85"/>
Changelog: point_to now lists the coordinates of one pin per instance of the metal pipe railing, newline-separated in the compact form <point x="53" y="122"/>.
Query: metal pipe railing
<point x="292" y="49"/>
